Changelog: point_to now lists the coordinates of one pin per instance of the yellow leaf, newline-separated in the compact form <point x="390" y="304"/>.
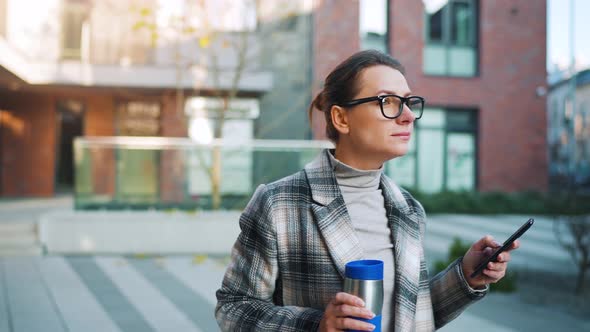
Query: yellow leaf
<point x="199" y="259"/>
<point x="138" y="25"/>
<point x="189" y="30"/>
<point x="204" y="42"/>
<point x="145" y="11"/>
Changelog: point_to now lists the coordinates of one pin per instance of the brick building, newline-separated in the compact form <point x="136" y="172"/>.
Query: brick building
<point x="477" y="63"/>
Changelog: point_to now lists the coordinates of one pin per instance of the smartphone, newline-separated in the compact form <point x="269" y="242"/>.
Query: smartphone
<point x="507" y="244"/>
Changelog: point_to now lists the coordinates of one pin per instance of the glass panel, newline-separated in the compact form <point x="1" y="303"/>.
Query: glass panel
<point x="435" y="59"/>
<point x="137" y="176"/>
<point x="181" y="168"/>
<point x="402" y="169"/>
<point x="460" y="121"/>
<point x="236" y="165"/>
<point x="430" y="160"/>
<point x="3" y="18"/>
<point x="462" y="61"/>
<point x="373" y="24"/>
<point x="432" y="118"/>
<point x="460" y="162"/>
<point x="461" y="23"/>
<point x="435" y="10"/>
<point x="74" y="16"/>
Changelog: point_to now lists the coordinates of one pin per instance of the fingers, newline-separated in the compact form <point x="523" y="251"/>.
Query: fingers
<point x="345" y="298"/>
<point x="495" y="276"/>
<point x="504" y="257"/>
<point x="345" y="310"/>
<point x="484" y="242"/>
<point x="340" y="313"/>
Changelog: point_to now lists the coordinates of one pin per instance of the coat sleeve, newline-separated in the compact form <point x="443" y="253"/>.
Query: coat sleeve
<point x="449" y="291"/>
<point x="245" y="299"/>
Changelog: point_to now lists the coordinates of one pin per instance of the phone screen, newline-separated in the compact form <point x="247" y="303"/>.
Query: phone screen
<point x="479" y="269"/>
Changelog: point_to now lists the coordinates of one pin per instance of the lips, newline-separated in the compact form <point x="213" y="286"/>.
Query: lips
<point x="404" y="134"/>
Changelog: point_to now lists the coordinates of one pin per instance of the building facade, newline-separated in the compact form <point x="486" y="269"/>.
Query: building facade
<point x="478" y="64"/>
<point x="77" y="68"/>
<point x="568" y="136"/>
<point x="94" y="68"/>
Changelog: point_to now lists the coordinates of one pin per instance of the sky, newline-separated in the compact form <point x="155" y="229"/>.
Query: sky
<point x="558" y="33"/>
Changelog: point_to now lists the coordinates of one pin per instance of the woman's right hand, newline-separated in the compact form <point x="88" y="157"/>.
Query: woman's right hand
<point x="338" y="313"/>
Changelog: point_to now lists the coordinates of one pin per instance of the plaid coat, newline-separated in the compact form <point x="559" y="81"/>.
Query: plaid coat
<point x="296" y="237"/>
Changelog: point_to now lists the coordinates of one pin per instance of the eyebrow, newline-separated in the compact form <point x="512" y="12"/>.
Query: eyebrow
<point x="389" y="92"/>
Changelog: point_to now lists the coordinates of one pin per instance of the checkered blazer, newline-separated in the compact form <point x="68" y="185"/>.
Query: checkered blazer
<point x="296" y="237"/>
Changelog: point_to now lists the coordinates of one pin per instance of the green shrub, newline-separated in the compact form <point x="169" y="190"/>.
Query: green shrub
<point x="528" y="202"/>
<point x="457" y="249"/>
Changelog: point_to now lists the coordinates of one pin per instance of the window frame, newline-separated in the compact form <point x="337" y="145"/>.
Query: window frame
<point x="446" y="37"/>
<point x="474" y="113"/>
<point x="387" y="27"/>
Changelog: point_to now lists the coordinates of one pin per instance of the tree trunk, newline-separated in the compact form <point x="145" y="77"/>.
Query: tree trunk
<point x="581" y="279"/>
<point x="216" y="178"/>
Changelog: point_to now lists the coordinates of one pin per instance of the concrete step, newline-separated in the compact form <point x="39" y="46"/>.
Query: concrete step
<point x="12" y="227"/>
<point x="30" y="251"/>
<point x="18" y="241"/>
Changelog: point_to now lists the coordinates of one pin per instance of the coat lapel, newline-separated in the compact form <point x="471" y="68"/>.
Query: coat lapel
<point x="405" y="230"/>
<point x="330" y="213"/>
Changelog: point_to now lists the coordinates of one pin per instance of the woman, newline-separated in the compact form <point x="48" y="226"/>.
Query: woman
<point x="297" y="234"/>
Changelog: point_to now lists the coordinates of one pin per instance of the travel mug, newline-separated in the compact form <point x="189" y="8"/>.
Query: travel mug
<point x="364" y="279"/>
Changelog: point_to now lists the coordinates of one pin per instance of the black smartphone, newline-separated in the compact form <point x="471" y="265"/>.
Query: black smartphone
<point x="493" y="258"/>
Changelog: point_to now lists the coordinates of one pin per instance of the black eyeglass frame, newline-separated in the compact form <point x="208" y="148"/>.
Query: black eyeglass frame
<point x="404" y="101"/>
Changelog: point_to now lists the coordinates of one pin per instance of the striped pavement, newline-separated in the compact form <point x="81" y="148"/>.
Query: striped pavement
<point x="177" y="293"/>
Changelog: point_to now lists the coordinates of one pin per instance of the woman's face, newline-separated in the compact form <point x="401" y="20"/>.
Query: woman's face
<point x="370" y="138"/>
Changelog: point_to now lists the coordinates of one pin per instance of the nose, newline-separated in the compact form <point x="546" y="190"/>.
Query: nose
<point x="407" y="115"/>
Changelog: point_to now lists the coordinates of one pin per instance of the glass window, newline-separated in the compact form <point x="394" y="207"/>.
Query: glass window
<point x="403" y="169"/>
<point x="74" y="17"/>
<point x="445" y="154"/>
<point x="460" y="23"/>
<point x="2" y="17"/>
<point x="430" y="160"/>
<point x="435" y="26"/>
<point x="373" y="24"/>
<point x="460" y="162"/>
<point x="451" y="45"/>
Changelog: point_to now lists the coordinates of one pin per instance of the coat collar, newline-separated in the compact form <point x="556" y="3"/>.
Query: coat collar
<point x="337" y="230"/>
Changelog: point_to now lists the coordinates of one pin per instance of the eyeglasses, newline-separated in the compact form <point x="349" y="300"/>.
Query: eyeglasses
<point x="392" y="106"/>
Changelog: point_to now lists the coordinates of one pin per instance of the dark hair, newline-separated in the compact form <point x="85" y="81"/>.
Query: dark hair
<point x="341" y="85"/>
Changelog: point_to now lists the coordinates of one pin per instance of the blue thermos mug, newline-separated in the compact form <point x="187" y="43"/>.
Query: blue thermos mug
<point x="364" y="279"/>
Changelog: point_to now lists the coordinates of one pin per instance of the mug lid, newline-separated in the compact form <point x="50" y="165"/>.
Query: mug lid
<point x="366" y="269"/>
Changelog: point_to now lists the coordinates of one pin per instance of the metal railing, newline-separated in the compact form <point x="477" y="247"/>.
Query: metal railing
<point x="165" y="172"/>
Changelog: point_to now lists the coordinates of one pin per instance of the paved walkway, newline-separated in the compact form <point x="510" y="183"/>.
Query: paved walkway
<point x="177" y="293"/>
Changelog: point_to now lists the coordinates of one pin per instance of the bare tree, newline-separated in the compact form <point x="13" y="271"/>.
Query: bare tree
<point x="198" y="29"/>
<point x="573" y="234"/>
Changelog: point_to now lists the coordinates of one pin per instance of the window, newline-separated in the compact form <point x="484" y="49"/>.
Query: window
<point x="450" y="38"/>
<point x="373" y="24"/>
<point x="442" y="153"/>
<point x="74" y="16"/>
<point x="2" y="18"/>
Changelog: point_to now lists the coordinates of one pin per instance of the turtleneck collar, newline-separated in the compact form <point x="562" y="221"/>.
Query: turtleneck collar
<point x="352" y="178"/>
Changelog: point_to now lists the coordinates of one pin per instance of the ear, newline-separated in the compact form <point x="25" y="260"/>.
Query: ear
<point x="340" y="119"/>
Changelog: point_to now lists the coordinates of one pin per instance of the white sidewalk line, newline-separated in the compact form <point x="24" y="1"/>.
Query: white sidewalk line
<point x="204" y="278"/>
<point x="156" y="309"/>
<point x="78" y="306"/>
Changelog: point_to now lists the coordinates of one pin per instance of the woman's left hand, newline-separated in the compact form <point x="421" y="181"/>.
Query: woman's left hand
<point x="494" y="271"/>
